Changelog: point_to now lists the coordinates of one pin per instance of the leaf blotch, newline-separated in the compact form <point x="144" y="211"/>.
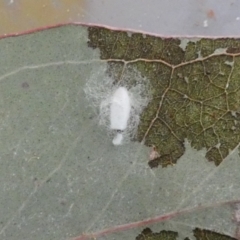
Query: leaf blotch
<point x="195" y="93"/>
<point x="201" y="234"/>
<point x="25" y="85"/>
<point x="147" y="234"/>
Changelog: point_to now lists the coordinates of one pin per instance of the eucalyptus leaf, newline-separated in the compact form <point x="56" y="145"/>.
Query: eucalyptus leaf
<point x="61" y="177"/>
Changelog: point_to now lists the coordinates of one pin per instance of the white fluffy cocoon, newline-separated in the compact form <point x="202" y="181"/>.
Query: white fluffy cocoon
<point x="119" y="112"/>
<point x="120" y="109"/>
<point x="118" y="105"/>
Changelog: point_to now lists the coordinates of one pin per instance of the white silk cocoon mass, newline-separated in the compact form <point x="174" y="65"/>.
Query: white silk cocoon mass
<point x="120" y="109"/>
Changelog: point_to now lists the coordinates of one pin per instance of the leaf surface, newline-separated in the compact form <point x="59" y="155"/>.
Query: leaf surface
<point x="61" y="176"/>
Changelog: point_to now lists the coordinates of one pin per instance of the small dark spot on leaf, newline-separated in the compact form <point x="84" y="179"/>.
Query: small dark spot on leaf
<point x="63" y="202"/>
<point x="25" y="85"/>
<point x="154" y="163"/>
<point x="48" y="180"/>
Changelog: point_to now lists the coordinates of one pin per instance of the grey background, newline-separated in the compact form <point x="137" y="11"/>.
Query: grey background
<point x="208" y="18"/>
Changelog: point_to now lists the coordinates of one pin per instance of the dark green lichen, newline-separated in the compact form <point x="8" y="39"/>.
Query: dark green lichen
<point x="199" y="234"/>
<point x="196" y="92"/>
<point x="208" y="235"/>
<point x="147" y="234"/>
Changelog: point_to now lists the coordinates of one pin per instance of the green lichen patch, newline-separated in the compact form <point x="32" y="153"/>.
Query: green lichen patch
<point x="209" y="235"/>
<point x="199" y="234"/>
<point x="147" y="234"/>
<point x="195" y="93"/>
